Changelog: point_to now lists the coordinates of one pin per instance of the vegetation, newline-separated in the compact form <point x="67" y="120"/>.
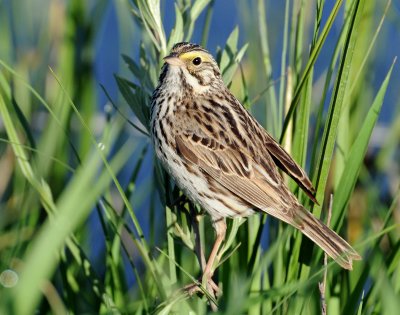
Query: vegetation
<point x="90" y="223"/>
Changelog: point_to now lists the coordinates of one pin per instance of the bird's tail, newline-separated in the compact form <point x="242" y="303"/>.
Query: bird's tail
<point x="328" y="240"/>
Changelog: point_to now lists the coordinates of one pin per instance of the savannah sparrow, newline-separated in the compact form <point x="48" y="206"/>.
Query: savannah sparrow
<point x="222" y="158"/>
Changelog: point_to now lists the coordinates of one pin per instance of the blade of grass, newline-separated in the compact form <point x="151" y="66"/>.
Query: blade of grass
<point x="41" y="259"/>
<point x="272" y="120"/>
<point x="313" y="57"/>
<point x="330" y="130"/>
<point x="357" y="152"/>
<point x="283" y="67"/>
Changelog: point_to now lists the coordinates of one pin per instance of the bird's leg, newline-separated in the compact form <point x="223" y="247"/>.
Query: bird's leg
<point x="211" y="286"/>
<point x="193" y="288"/>
<point x="208" y="272"/>
<point x="220" y="229"/>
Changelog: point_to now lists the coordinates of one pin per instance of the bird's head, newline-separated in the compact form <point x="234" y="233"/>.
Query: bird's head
<point x="192" y="66"/>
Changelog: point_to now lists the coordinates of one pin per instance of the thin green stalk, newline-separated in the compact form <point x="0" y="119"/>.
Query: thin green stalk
<point x="313" y="57"/>
<point x="330" y="131"/>
<point x="171" y="246"/>
<point x="283" y="67"/>
<point x="271" y="97"/>
<point x="207" y="24"/>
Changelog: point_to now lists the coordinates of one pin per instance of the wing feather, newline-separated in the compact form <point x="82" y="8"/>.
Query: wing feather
<point x="247" y="187"/>
<point x="285" y="162"/>
<point x="239" y="162"/>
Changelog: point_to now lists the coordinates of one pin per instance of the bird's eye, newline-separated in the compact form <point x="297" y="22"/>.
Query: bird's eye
<point x="196" y="61"/>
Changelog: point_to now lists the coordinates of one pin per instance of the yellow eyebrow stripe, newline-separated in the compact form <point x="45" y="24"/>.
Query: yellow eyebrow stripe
<point x="193" y="54"/>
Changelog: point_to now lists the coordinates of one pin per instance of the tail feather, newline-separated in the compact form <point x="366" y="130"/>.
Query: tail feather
<point x="335" y="246"/>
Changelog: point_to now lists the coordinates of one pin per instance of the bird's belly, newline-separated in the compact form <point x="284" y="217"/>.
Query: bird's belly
<point x="216" y="200"/>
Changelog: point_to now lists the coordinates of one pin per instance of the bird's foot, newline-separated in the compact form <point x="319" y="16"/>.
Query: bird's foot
<point x="209" y="288"/>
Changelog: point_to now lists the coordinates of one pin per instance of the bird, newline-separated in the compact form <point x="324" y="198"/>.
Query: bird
<point x="223" y="159"/>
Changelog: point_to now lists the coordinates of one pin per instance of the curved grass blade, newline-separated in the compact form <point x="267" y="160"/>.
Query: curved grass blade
<point x="357" y="152"/>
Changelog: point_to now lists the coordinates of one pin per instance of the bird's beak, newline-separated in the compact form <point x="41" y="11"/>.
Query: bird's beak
<point x="174" y="60"/>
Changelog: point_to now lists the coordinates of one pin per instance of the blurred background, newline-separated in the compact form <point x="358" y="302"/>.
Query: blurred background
<point x="81" y="44"/>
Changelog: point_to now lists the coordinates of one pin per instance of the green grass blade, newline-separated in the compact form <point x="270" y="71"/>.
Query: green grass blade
<point x="330" y="130"/>
<point x="357" y="152"/>
<point x="313" y="57"/>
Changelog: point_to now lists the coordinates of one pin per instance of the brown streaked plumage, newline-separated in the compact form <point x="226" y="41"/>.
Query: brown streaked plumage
<point x="222" y="158"/>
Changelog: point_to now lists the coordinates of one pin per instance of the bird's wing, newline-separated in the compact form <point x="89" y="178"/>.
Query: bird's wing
<point x="285" y="162"/>
<point x="231" y="172"/>
<point x="254" y="180"/>
<point x="254" y="141"/>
